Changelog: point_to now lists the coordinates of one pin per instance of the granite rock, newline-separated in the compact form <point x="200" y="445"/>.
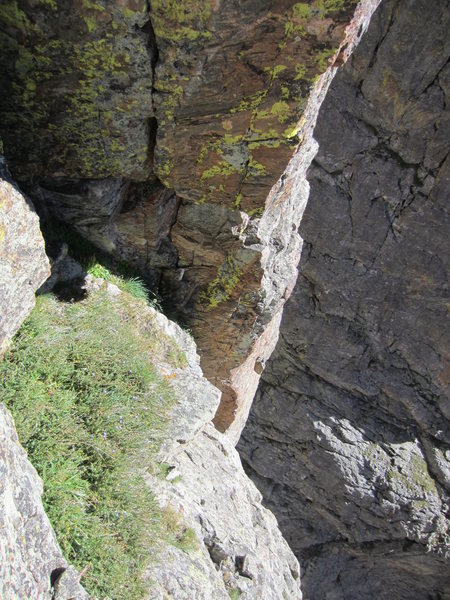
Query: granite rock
<point x="348" y="437"/>
<point x="30" y="558"/>
<point x="23" y="263"/>
<point x="239" y="544"/>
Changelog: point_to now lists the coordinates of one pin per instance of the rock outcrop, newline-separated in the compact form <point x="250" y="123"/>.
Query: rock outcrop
<point x="159" y="131"/>
<point x="177" y="136"/>
<point x="31" y="563"/>
<point x="240" y="549"/>
<point x="348" y="438"/>
<point x="23" y="263"/>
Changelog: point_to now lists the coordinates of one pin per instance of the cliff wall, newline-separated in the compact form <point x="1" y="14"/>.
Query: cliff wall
<point x="348" y="436"/>
<point x="176" y="137"/>
<point x="159" y="131"/>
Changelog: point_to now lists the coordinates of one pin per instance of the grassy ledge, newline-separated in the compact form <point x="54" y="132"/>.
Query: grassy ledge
<point x="90" y="409"/>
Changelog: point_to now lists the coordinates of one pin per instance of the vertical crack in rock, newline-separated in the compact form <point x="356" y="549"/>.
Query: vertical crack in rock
<point x="348" y="437"/>
<point x="148" y="30"/>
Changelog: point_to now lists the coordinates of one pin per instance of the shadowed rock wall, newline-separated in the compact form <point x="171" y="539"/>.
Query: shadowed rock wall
<point x="348" y="437"/>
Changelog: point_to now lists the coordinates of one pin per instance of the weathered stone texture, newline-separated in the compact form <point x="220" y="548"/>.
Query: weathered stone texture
<point x="348" y="438"/>
<point x="30" y="558"/>
<point x="23" y="263"/>
<point x="240" y="545"/>
<point x="77" y="79"/>
<point x="231" y="83"/>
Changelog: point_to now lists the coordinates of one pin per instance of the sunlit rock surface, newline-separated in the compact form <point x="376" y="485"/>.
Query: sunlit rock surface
<point x="24" y="265"/>
<point x="30" y="558"/>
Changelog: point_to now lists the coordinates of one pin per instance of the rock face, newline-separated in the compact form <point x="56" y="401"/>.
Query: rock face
<point x="239" y="549"/>
<point x="23" y="263"/>
<point x="159" y="130"/>
<point x="348" y="438"/>
<point x="162" y="131"/>
<point x="31" y="562"/>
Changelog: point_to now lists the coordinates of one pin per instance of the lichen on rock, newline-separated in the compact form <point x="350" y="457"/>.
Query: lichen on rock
<point x="59" y="64"/>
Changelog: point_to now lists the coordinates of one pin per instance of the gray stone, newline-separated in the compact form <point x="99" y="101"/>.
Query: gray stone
<point x="197" y="398"/>
<point x="348" y="438"/>
<point x="185" y="576"/>
<point x="67" y="586"/>
<point x="29" y="553"/>
<point x="240" y="545"/>
<point x="23" y="263"/>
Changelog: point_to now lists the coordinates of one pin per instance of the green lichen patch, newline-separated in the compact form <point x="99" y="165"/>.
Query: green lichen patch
<point x="255" y="167"/>
<point x="326" y="8"/>
<point x="175" y="21"/>
<point x="65" y="115"/>
<point x="414" y="477"/>
<point x="11" y="16"/>
<point x="221" y="288"/>
<point x="281" y="110"/>
<point x="223" y="168"/>
<point x="269" y="107"/>
<point x="52" y="4"/>
<point x="302" y="10"/>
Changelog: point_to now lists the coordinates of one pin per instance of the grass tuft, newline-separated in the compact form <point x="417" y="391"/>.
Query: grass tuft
<point x="177" y="533"/>
<point x="132" y="285"/>
<point x="99" y="264"/>
<point x="90" y="410"/>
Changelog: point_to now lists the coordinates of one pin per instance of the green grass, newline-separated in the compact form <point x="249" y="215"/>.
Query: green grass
<point x="133" y="285"/>
<point x="176" y="532"/>
<point x="100" y="264"/>
<point x="90" y="410"/>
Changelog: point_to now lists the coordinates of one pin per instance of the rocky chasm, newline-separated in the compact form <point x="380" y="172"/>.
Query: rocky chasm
<point x="187" y="139"/>
<point x="348" y="434"/>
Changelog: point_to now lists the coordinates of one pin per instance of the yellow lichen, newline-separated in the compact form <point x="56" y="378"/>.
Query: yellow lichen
<point x="222" y="168"/>
<point x="221" y="288"/>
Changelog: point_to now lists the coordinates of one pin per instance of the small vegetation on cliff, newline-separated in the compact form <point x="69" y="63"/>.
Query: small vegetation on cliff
<point x="132" y="285"/>
<point x="90" y="409"/>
